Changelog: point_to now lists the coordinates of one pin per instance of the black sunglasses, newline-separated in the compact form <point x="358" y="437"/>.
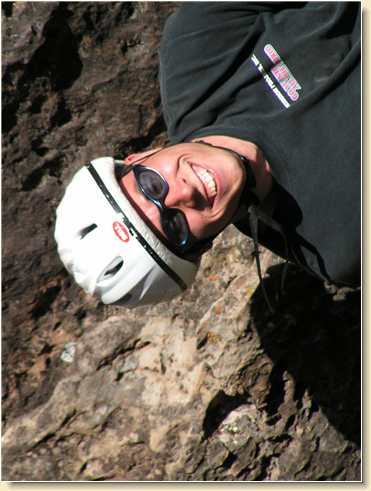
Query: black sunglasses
<point x="155" y="188"/>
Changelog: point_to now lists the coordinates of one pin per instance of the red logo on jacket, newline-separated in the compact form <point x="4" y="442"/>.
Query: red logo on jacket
<point x="121" y="232"/>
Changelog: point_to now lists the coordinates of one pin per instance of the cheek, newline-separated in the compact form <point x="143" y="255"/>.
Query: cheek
<point x="203" y="226"/>
<point x="164" y="164"/>
<point x="198" y="224"/>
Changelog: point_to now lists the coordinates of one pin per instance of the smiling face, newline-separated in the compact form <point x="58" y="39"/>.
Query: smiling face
<point x="204" y="182"/>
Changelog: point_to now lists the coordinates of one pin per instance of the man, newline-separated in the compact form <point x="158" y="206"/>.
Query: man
<point x="262" y="106"/>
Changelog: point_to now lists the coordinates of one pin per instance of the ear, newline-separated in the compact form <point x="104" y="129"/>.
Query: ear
<point x="137" y="157"/>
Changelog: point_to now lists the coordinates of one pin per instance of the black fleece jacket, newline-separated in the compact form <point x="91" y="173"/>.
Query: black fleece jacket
<point x="287" y="77"/>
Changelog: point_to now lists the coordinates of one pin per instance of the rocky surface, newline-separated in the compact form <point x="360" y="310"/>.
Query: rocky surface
<point x="208" y="387"/>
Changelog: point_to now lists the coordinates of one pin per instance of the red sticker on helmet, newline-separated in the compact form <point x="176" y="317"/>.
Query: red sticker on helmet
<point x="121" y="231"/>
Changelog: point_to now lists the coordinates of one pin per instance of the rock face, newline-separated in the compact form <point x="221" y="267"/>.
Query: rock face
<point x="208" y="387"/>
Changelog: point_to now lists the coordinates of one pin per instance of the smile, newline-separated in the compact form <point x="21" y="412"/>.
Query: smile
<point x="208" y="182"/>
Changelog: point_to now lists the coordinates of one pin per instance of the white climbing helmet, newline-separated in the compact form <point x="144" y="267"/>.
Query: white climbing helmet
<point x="108" y="247"/>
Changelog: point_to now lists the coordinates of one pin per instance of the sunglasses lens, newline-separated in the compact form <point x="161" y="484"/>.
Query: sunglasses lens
<point x="155" y="188"/>
<point x="152" y="184"/>
<point x="175" y="226"/>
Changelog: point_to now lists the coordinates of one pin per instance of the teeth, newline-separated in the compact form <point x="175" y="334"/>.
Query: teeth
<point x="208" y="181"/>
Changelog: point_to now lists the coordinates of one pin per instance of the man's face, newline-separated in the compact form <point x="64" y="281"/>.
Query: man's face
<point x="204" y="182"/>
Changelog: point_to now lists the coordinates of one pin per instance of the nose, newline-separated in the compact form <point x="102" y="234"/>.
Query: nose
<point x="182" y="193"/>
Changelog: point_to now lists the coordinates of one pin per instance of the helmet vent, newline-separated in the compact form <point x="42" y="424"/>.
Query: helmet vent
<point x="87" y="230"/>
<point x="112" y="268"/>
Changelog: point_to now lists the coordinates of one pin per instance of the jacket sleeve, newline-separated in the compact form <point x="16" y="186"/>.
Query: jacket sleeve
<point x="195" y="16"/>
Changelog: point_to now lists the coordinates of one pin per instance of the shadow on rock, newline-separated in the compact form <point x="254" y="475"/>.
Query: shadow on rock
<point x="314" y="335"/>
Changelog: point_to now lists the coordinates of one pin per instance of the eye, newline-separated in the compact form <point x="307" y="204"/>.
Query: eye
<point x="152" y="184"/>
<point x="177" y="228"/>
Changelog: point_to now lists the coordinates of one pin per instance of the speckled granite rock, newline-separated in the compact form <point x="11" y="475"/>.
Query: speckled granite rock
<point x="207" y="387"/>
